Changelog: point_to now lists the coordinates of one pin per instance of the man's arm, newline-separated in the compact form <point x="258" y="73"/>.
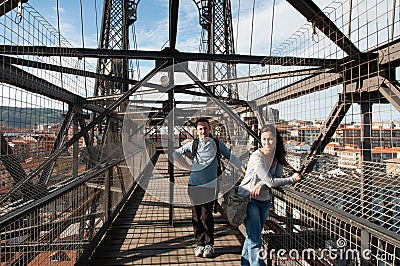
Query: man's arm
<point x="178" y="156"/>
<point x="182" y="164"/>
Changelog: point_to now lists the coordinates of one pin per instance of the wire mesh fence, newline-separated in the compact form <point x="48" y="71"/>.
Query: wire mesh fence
<point x="332" y="90"/>
<point x="341" y="126"/>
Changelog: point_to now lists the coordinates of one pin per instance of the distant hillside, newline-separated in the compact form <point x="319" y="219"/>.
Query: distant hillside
<point x="16" y="117"/>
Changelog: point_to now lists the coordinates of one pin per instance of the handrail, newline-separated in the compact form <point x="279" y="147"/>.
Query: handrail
<point x="288" y="193"/>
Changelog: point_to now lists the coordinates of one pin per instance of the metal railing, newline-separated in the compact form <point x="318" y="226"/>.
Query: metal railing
<point x="304" y="229"/>
<point x="72" y="218"/>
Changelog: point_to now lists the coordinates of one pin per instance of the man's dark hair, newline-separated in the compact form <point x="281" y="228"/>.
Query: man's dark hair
<point x="202" y="120"/>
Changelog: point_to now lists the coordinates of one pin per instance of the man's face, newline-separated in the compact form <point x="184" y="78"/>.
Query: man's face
<point x="203" y="130"/>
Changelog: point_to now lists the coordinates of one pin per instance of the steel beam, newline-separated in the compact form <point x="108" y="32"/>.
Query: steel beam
<point x="268" y="76"/>
<point x="84" y="73"/>
<point x="224" y="107"/>
<point x="384" y="58"/>
<point x="308" y="85"/>
<point x="391" y="91"/>
<point x="65" y="70"/>
<point x="17" y="77"/>
<point x="312" y="13"/>
<point x="165" y="54"/>
<point x="173" y="22"/>
<point x="331" y="124"/>
<point x="389" y="53"/>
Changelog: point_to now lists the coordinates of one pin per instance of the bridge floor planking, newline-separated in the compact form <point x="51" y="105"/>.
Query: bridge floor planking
<point x="141" y="236"/>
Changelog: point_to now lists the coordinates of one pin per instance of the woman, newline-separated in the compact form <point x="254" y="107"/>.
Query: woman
<point x="264" y="171"/>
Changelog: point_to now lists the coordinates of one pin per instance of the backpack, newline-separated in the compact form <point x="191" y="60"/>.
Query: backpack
<point x="193" y="154"/>
<point x="220" y="168"/>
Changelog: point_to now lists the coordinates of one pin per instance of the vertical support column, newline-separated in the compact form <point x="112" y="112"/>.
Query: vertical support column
<point x="75" y="147"/>
<point x="289" y="216"/>
<point x="107" y="193"/>
<point x="366" y="150"/>
<point x="171" y="105"/>
<point x="217" y="32"/>
<point x="364" y="245"/>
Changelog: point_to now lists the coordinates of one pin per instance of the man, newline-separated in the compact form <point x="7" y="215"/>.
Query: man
<point x="202" y="184"/>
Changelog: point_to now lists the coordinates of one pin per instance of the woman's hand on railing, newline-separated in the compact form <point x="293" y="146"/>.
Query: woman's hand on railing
<point x="297" y="177"/>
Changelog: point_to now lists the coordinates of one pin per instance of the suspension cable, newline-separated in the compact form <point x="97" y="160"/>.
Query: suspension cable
<point x="59" y="41"/>
<point x="270" y="40"/>
<point x="251" y="44"/>
<point x="350" y="14"/>
<point x="272" y="28"/>
<point x="82" y="34"/>
<point x="97" y="23"/>
<point x="135" y="47"/>
<point x="252" y="28"/>
<point x="83" y="43"/>
<point x="237" y="26"/>
<point x="393" y="20"/>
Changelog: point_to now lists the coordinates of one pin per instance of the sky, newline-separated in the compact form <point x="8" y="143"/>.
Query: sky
<point x="152" y="23"/>
<point x="252" y="33"/>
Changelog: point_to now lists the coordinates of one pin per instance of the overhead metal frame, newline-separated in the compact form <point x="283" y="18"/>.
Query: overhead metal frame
<point x="305" y="7"/>
<point x="84" y="131"/>
<point x="20" y="78"/>
<point x="165" y="55"/>
<point x="315" y="15"/>
<point x="389" y="88"/>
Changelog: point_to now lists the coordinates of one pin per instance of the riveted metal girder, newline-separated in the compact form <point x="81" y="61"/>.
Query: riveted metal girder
<point x="312" y="13"/>
<point x="173" y="22"/>
<point x="165" y="54"/>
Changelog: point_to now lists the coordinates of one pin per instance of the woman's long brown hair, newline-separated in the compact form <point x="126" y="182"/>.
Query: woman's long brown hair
<point x="280" y="152"/>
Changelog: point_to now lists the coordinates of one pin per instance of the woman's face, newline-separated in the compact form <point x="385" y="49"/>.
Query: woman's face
<point x="268" y="141"/>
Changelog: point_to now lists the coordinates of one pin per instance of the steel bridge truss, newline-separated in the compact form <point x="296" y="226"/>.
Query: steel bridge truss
<point x="310" y="212"/>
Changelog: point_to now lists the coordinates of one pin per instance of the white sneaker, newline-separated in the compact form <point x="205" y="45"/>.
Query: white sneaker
<point x="198" y="251"/>
<point x="208" y="251"/>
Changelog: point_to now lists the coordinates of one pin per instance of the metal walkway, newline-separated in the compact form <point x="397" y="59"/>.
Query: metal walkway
<point x="141" y="235"/>
<point x="75" y="137"/>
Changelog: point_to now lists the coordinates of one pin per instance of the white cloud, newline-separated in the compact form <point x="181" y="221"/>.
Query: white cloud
<point x="60" y="9"/>
<point x="152" y="37"/>
<point x="285" y="17"/>
<point x="189" y="30"/>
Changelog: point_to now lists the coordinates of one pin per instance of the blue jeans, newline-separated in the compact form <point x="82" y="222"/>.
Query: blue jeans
<point x="257" y="212"/>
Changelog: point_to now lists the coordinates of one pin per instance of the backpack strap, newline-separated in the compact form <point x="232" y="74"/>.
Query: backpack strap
<point x="218" y="151"/>
<point x="195" y="145"/>
<point x="219" y="172"/>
